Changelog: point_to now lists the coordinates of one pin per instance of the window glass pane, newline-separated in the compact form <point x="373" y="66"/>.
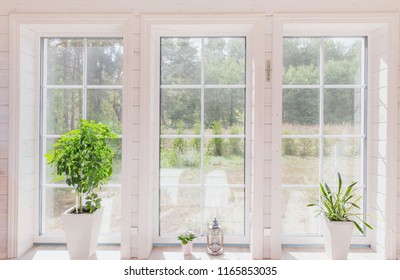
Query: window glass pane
<point x="57" y="201"/>
<point x="49" y="170"/>
<point x="104" y="61"/>
<point x="342" y="58"/>
<point x="224" y="108"/>
<point x="180" y="61"/>
<point x="180" y="111"/>
<point x="64" y="61"/>
<point x="227" y="205"/>
<point x="63" y="110"/>
<point x="297" y="218"/>
<point x="116" y="145"/>
<point x="105" y="106"/>
<point x="342" y="155"/>
<point x="202" y="95"/>
<point x="179" y="209"/>
<point x="224" y="161"/>
<point x="300" y="111"/>
<point x="300" y="161"/>
<point x="111" y="201"/>
<point x="179" y="161"/>
<point x="301" y="61"/>
<point x="342" y="111"/>
<point x="224" y="61"/>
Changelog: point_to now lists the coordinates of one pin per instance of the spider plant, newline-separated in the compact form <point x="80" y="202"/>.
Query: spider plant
<point x="340" y="206"/>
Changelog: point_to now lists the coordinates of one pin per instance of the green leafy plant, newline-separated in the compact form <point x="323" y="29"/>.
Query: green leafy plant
<point x="84" y="159"/>
<point x="338" y="206"/>
<point x="186" y="237"/>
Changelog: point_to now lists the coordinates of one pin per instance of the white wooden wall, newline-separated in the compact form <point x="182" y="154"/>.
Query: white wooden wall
<point x="267" y="142"/>
<point x="28" y="112"/>
<point x="136" y="136"/>
<point x="4" y="66"/>
<point x="378" y="134"/>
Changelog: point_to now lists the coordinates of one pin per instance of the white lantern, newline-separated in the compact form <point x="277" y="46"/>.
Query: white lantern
<point x="215" y="238"/>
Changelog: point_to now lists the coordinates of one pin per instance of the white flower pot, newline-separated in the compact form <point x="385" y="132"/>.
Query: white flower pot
<point x="81" y="233"/>
<point x="187" y="248"/>
<point x="337" y="236"/>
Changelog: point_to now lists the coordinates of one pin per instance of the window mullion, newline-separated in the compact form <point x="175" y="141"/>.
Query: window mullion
<point x="321" y="119"/>
<point x="202" y="190"/>
<point x="84" y="90"/>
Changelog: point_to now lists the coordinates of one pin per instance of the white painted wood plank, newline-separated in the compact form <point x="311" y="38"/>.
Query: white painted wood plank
<point x="267" y="151"/>
<point x="27" y="167"/>
<point x="268" y="133"/>
<point x="27" y="97"/>
<point x="4" y="78"/>
<point x="136" y="42"/>
<point x="136" y="115"/>
<point x="4" y="96"/>
<point x="134" y="219"/>
<point x="4" y="131"/>
<point x="3" y="243"/>
<point x="3" y="113"/>
<point x="135" y="204"/>
<point x="266" y="247"/>
<point x="3" y="167"/>
<point x="27" y="148"/>
<point x="4" y="24"/>
<point x="4" y="61"/>
<point x="267" y="204"/>
<point x="3" y="149"/>
<point x="267" y="220"/>
<point x="27" y="132"/>
<point x="27" y="199"/>
<point x="4" y="43"/>
<point x="136" y="61"/>
<point x="3" y="185"/>
<point x="136" y="132"/>
<point x="134" y="252"/>
<point x="26" y="217"/>
<point x="28" y="63"/>
<point x="3" y="221"/>
<point x="27" y="114"/>
<point x="135" y="150"/>
<point x="3" y="204"/>
<point x="136" y="78"/>
<point x="267" y="168"/>
<point x="268" y="96"/>
<point x="27" y="80"/>
<point x="135" y="186"/>
<point x="267" y="186"/>
<point x="267" y="115"/>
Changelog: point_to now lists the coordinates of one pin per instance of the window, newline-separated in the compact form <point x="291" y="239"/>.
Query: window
<point x="202" y="134"/>
<point x="80" y="78"/>
<point x="324" y="123"/>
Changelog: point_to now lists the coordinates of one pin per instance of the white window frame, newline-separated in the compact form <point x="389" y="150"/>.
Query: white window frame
<point x="321" y="87"/>
<point x="340" y="25"/>
<point x="62" y="25"/>
<point x="204" y="137"/>
<point x="49" y="237"/>
<point x="153" y="28"/>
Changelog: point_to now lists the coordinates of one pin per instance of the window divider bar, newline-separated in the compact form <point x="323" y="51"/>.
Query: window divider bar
<point x="317" y="136"/>
<point x="324" y="86"/>
<point x="202" y="86"/>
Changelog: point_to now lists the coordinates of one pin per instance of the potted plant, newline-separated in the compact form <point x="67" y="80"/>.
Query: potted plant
<point x="83" y="158"/>
<point x="186" y="238"/>
<point x="339" y="209"/>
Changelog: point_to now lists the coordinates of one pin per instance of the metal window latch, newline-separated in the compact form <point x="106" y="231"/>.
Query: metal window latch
<point x="268" y="70"/>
